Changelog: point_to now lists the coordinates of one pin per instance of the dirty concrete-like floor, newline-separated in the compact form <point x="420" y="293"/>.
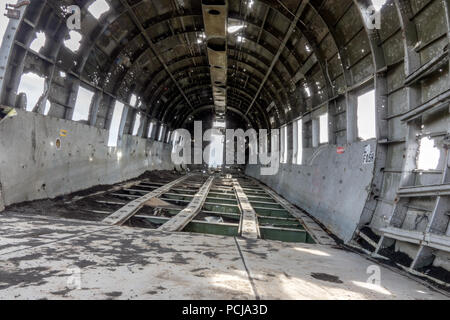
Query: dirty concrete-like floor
<point x="54" y="258"/>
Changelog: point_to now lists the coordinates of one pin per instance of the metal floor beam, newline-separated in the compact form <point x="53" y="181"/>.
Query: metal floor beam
<point x="249" y="222"/>
<point x="182" y="219"/>
<point x="123" y="214"/>
<point x="317" y="233"/>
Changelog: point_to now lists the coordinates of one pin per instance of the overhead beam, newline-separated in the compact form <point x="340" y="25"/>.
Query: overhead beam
<point x="215" y="19"/>
<point x="183" y="218"/>
<point x="153" y="49"/>
<point x="291" y="29"/>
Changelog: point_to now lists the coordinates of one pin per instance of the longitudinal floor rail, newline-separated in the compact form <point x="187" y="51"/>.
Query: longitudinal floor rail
<point x="126" y="212"/>
<point x="222" y="205"/>
<point x="318" y="234"/>
<point x="183" y="218"/>
<point x="249" y="222"/>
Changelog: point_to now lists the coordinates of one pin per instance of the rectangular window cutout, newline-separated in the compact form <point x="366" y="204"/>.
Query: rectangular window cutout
<point x="300" y="141"/>
<point x="82" y="105"/>
<point x="174" y="140"/>
<point x="161" y="133"/>
<point x="366" y="116"/>
<point x="284" y="144"/>
<point x="169" y="135"/>
<point x="294" y="142"/>
<point x="48" y="105"/>
<point x="150" y="130"/>
<point x="33" y="86"/>
<point x="133" y="100"/>
<point x="137" y="124"/>
<point x="429" y="155"/>
<point x="115" y="124"/>
<point x="323" y="122"/>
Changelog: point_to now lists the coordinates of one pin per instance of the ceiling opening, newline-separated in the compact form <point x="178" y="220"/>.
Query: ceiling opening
<point x="98" y="8"/>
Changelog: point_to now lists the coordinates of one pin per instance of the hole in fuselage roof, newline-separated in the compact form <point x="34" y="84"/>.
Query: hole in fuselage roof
<point x="213" y="2"/>
<point x="217" y="44"/>
<point x="214" y="12"/>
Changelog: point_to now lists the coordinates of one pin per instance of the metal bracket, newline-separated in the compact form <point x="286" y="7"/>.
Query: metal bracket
<point x="12" y="10"/>
<point x="446" y="141"/>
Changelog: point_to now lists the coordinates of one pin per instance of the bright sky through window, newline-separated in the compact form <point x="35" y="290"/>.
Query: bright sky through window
<point x="300" y="141"/>
<point x="133" y="100"/>
<point x="150" y="130"/>
<point x="428" y="155"/>
<point x="233" y="29"/>
<point x="47" y="107"/>
<point x="284" y="144"/>
<point x="33" y="86"/>
<point x="137" y="124"/>
<point x="39" y="42"/>
<point x="366" y="116"/>
<point x="82" y="105"/>
<point x="115" y="125"/>
<point x="323" y="120"/>
<point x="161" y="132"/>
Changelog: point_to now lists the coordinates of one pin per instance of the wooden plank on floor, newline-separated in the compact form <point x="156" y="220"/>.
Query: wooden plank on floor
<point x="126" y="212"/>
<point x="183" y="218"/>
<point x="249" y="222"/>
